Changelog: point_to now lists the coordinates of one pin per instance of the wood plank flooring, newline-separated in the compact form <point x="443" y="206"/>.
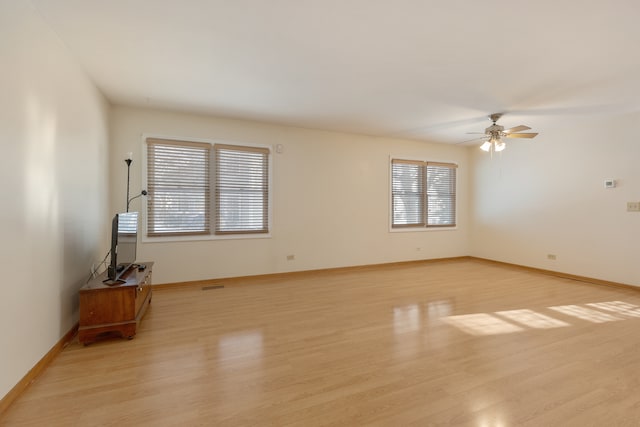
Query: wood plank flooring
<point x="459" y="342"/>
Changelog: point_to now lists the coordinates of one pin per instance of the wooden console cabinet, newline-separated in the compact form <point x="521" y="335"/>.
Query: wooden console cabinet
<point x="116" y="309"/>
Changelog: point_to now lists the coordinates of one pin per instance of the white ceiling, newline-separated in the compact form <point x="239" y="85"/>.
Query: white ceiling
<point x="409" y="68"/>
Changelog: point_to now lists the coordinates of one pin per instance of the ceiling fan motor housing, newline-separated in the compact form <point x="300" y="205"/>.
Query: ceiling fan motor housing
<point x="494" y="130"/>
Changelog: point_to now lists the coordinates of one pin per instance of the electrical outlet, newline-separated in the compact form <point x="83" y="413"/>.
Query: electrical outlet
<point x="291" y="257"/>
<point x="552" y="257"/>
<point x="633" y="206"/>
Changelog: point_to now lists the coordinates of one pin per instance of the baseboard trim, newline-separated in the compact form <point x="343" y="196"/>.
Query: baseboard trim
<point x="39" y="367"/>
<point x="584" y="279"/>
<point x="226" y="281"/>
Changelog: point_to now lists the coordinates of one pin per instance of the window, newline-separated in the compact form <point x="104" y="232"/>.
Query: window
<point x="181" y="176"/>
<point x="423" y="194"/>
<point x="178" y="188"/>
<point x="242" y="189"/>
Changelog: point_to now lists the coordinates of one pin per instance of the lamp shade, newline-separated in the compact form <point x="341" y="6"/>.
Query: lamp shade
<point x="486" y="146"/>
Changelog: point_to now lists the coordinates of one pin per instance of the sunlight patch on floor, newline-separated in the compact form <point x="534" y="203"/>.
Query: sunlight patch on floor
<point x="619" y="307"/>
<point x="585" y="313"/>
<point x="510" y="321"/>
<point x="532" y="319"/>
<point x="482" y="324"/>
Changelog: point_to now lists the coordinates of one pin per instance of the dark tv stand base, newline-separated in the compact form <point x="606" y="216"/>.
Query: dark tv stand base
<point x="108" y="310"/>
<point x="110" y="282"/>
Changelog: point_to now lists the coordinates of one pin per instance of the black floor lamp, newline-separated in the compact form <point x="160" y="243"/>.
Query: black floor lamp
<point x="128" y="161"/>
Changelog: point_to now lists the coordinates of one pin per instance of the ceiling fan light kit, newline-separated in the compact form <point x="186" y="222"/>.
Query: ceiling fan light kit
<point x="486" y="146"/>
<point x="495" y="133"/>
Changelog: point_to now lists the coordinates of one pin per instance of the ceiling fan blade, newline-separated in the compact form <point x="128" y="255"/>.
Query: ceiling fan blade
<point x="517" y="129"/>
<point x="475" y="133"/>
<point x="520" y="135"/>
<point x="470" y="140"/>
<point x="438" y="126"/>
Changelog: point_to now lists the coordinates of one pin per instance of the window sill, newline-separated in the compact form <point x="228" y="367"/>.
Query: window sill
<point x="421" y="229"/>
<point x="204" y="237"/>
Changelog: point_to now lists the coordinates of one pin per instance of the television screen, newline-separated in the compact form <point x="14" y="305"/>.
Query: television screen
<point x="124" y="240"/>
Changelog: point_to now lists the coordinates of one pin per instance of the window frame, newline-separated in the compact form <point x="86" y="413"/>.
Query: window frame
<point x="211" y="235"/>
<point x="424" y="225"/>
<point x="227" y="188"/>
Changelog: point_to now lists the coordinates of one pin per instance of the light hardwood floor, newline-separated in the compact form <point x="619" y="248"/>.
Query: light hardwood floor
<point x="459" y="342"/>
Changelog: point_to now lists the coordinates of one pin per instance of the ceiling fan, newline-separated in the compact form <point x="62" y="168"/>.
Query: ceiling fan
<point x="495" y="133"/>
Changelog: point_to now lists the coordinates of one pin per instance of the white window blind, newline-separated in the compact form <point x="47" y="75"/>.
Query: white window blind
<point x="408" y="196"/>
<point x="441" y="195"/>
<point x="423" y="194"/>
<point x="178" y="184"/>
<point x="241" y="189"/>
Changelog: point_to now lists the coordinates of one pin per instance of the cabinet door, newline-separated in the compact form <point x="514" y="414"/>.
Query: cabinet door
<point x="106" y="306"/>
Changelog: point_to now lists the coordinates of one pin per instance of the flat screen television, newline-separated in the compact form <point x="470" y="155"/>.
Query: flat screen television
<point x="124" y="241"/>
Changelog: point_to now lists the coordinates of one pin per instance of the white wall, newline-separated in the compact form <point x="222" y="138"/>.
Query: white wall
<point x="53" y="187"/>
<point x="547" y="196"/>
<point x="330" y="199"/>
